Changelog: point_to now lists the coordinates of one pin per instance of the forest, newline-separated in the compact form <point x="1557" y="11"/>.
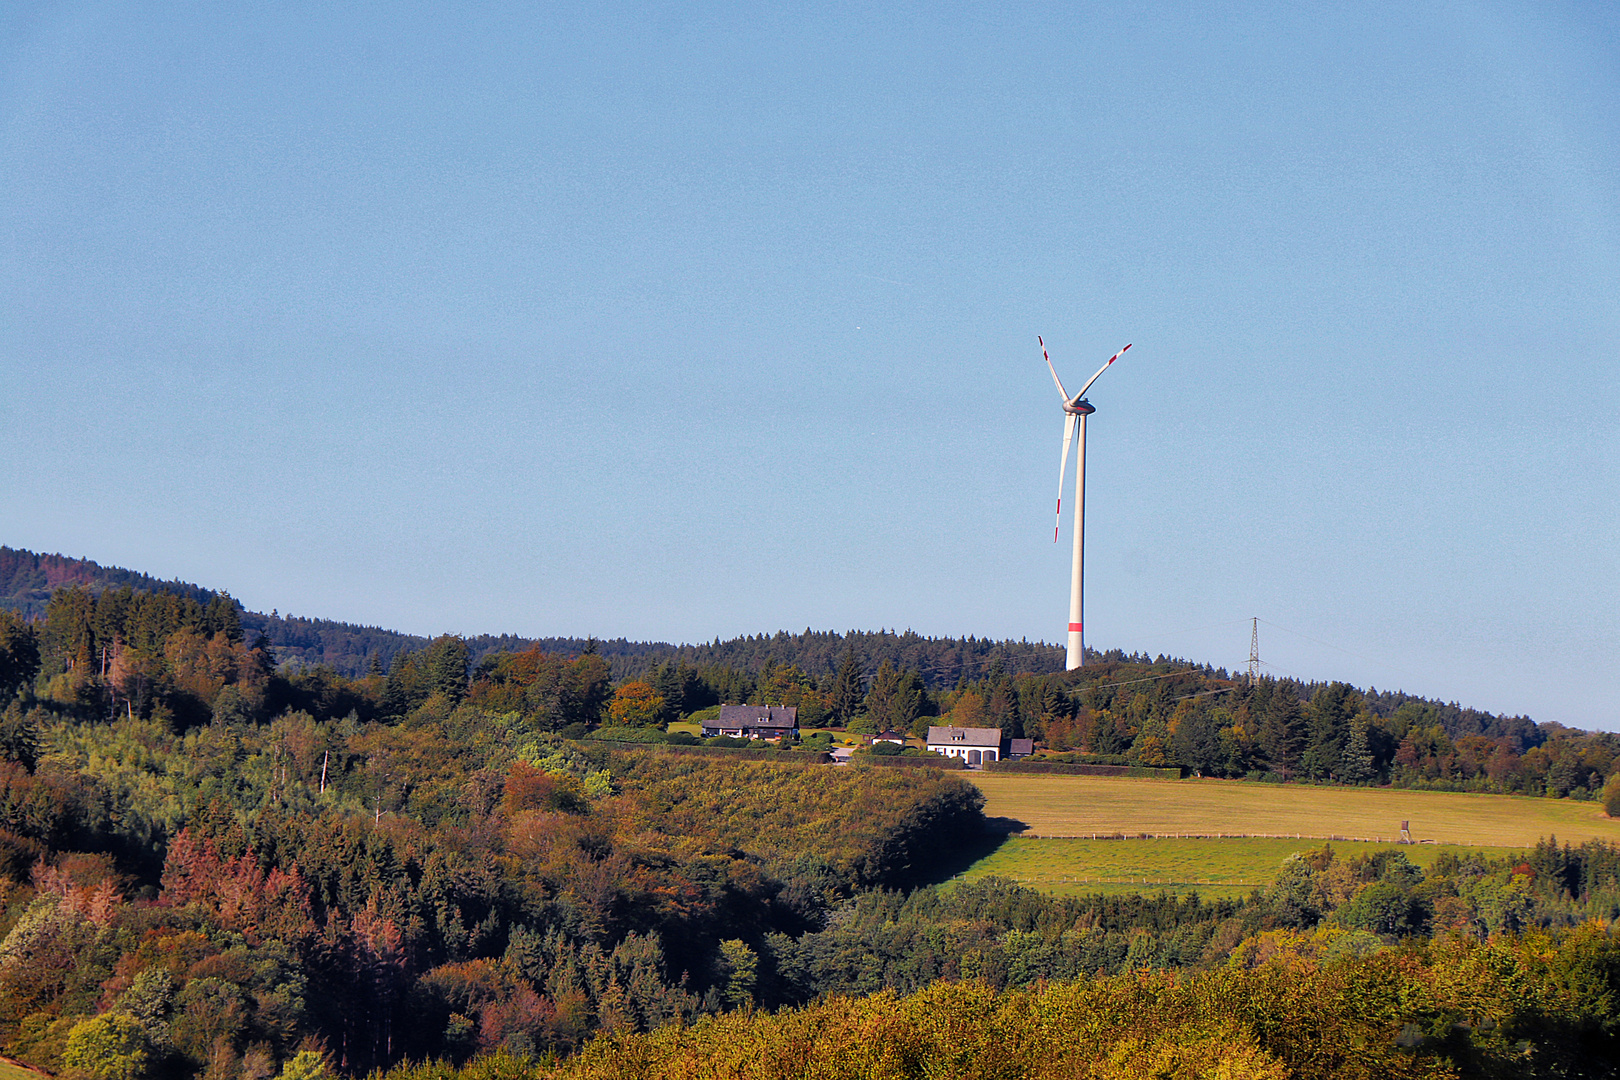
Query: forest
<point x="1122" y="708"/>
<point x="214" y="864"/>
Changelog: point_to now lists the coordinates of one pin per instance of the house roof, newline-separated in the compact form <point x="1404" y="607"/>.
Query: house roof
<point x="890" y="735"/>
<point x="1021" y="746"/>
<point x="964" y="736"/>
<point x="757" y="716"/>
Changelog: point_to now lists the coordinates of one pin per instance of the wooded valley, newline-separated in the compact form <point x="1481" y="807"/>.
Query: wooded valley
<point x="216" y="864"/>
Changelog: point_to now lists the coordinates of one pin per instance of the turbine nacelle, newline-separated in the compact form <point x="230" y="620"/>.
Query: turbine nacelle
<point x="1079" y="408"/>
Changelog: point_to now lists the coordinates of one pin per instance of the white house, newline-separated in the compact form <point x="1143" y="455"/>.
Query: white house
<point x="974" y="745"/>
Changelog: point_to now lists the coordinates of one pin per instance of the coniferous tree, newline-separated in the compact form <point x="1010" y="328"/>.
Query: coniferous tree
<point x="1330" y="711"/>
<point x="1281" y="726"/>
<point x="669" y="680"/>
<point x="446" y="663"/>
<point x="1196" y="742"/>
<point x="1107" y="738"/>
<point x="847" y="691"/>
<point x="894" y="700"/>
<point x="399" y="690"/>
<point x="19" y="655"/>
<point x="1357" y="766"/>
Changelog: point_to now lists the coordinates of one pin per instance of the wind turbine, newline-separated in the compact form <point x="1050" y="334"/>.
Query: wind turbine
<point x="1075" y="408"/>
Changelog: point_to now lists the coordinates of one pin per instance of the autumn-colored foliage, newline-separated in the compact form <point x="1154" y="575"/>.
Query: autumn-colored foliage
<point x="636" y="704"/>
<point x="1535" y="1007"/>
<point x="212" y="868"/>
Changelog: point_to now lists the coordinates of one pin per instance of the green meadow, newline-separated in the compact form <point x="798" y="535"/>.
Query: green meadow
<point x="1223" y="838"/>
<point x="1212" y="868"/>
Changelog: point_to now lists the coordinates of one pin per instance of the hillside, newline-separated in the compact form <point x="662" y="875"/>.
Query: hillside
<point x="217" y="863"/>
<point x="27" y="579"/>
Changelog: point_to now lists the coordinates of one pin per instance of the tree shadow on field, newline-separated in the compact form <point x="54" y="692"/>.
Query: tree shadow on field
<point x="969" y="849"/>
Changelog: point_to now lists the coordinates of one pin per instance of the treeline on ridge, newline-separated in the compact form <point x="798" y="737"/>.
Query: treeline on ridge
<point x="176" y="657"/>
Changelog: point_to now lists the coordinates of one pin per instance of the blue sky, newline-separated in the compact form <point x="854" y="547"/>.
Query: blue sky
<point x="681" y="321"/>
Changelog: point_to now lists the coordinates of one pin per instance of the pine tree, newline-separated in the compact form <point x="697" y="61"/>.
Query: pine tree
<point x="1330" y="713"/>
<point x="446" y="661"/>
<point x="847" y="691"/>
<point x="19" y="654"/>
<point x="1281" y="725"/>
<point x="1357" y="765"/>
<point x="670" y="682"/>
<point x="893" y="701"/>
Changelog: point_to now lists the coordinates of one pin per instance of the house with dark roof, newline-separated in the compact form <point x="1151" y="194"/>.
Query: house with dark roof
<point x="1017" y="748"/>
<point x="754" y="722"/>
<point x="896" y="737"/>
<point x="974" y="745"/>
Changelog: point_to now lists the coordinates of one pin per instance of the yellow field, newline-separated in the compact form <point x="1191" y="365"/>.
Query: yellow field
<point x="1080" y="806"/>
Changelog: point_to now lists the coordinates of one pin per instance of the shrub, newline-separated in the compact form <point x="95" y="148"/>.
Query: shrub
<point x="1384" y="908"/>
<point x="1611" y="796"/>
<point x="628" y="734"/>
<point x="108" y="1047"/>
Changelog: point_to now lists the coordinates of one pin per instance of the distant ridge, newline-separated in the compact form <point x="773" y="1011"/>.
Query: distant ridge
<point x="27" y="579"/>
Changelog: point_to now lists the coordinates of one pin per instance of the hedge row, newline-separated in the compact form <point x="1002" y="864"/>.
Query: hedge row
<point x="1082" y="770"/>
<point x="925" y="761"/>
<point x="785" y="757"/>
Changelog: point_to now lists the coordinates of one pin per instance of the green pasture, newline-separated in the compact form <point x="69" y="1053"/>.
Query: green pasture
<point x="1081" y="806"/>
<point x="1223" y="838"/>
<point x="11" y="1070"/>
<point x="1212" y="868"/>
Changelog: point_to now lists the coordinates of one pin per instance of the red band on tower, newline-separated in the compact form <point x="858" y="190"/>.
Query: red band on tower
<point x="1074" y="628"/>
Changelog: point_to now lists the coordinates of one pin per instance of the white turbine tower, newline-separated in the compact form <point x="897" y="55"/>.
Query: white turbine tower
<point x="1075" y="408"/>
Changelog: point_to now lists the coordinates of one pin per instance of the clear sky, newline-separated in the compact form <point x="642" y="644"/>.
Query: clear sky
<point x="675" y="321"/>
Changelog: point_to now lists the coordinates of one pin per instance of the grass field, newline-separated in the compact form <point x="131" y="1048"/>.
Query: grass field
<point x="1073" y="806"/>
<point x="10" y="1070"/>
<point x="1212" y="868"/>
<point x="1054" y="817"/>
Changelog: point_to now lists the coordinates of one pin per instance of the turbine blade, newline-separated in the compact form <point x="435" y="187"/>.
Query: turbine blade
<point x="1100" y="370"/>
<point x="1053" y="370"/>
<point x="1063" y="465"/>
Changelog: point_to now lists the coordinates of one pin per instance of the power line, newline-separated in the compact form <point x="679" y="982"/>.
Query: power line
<point x="1338" y="648"/>
<point x="1151" y="678"/>
<point x="1205" y="693"/>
